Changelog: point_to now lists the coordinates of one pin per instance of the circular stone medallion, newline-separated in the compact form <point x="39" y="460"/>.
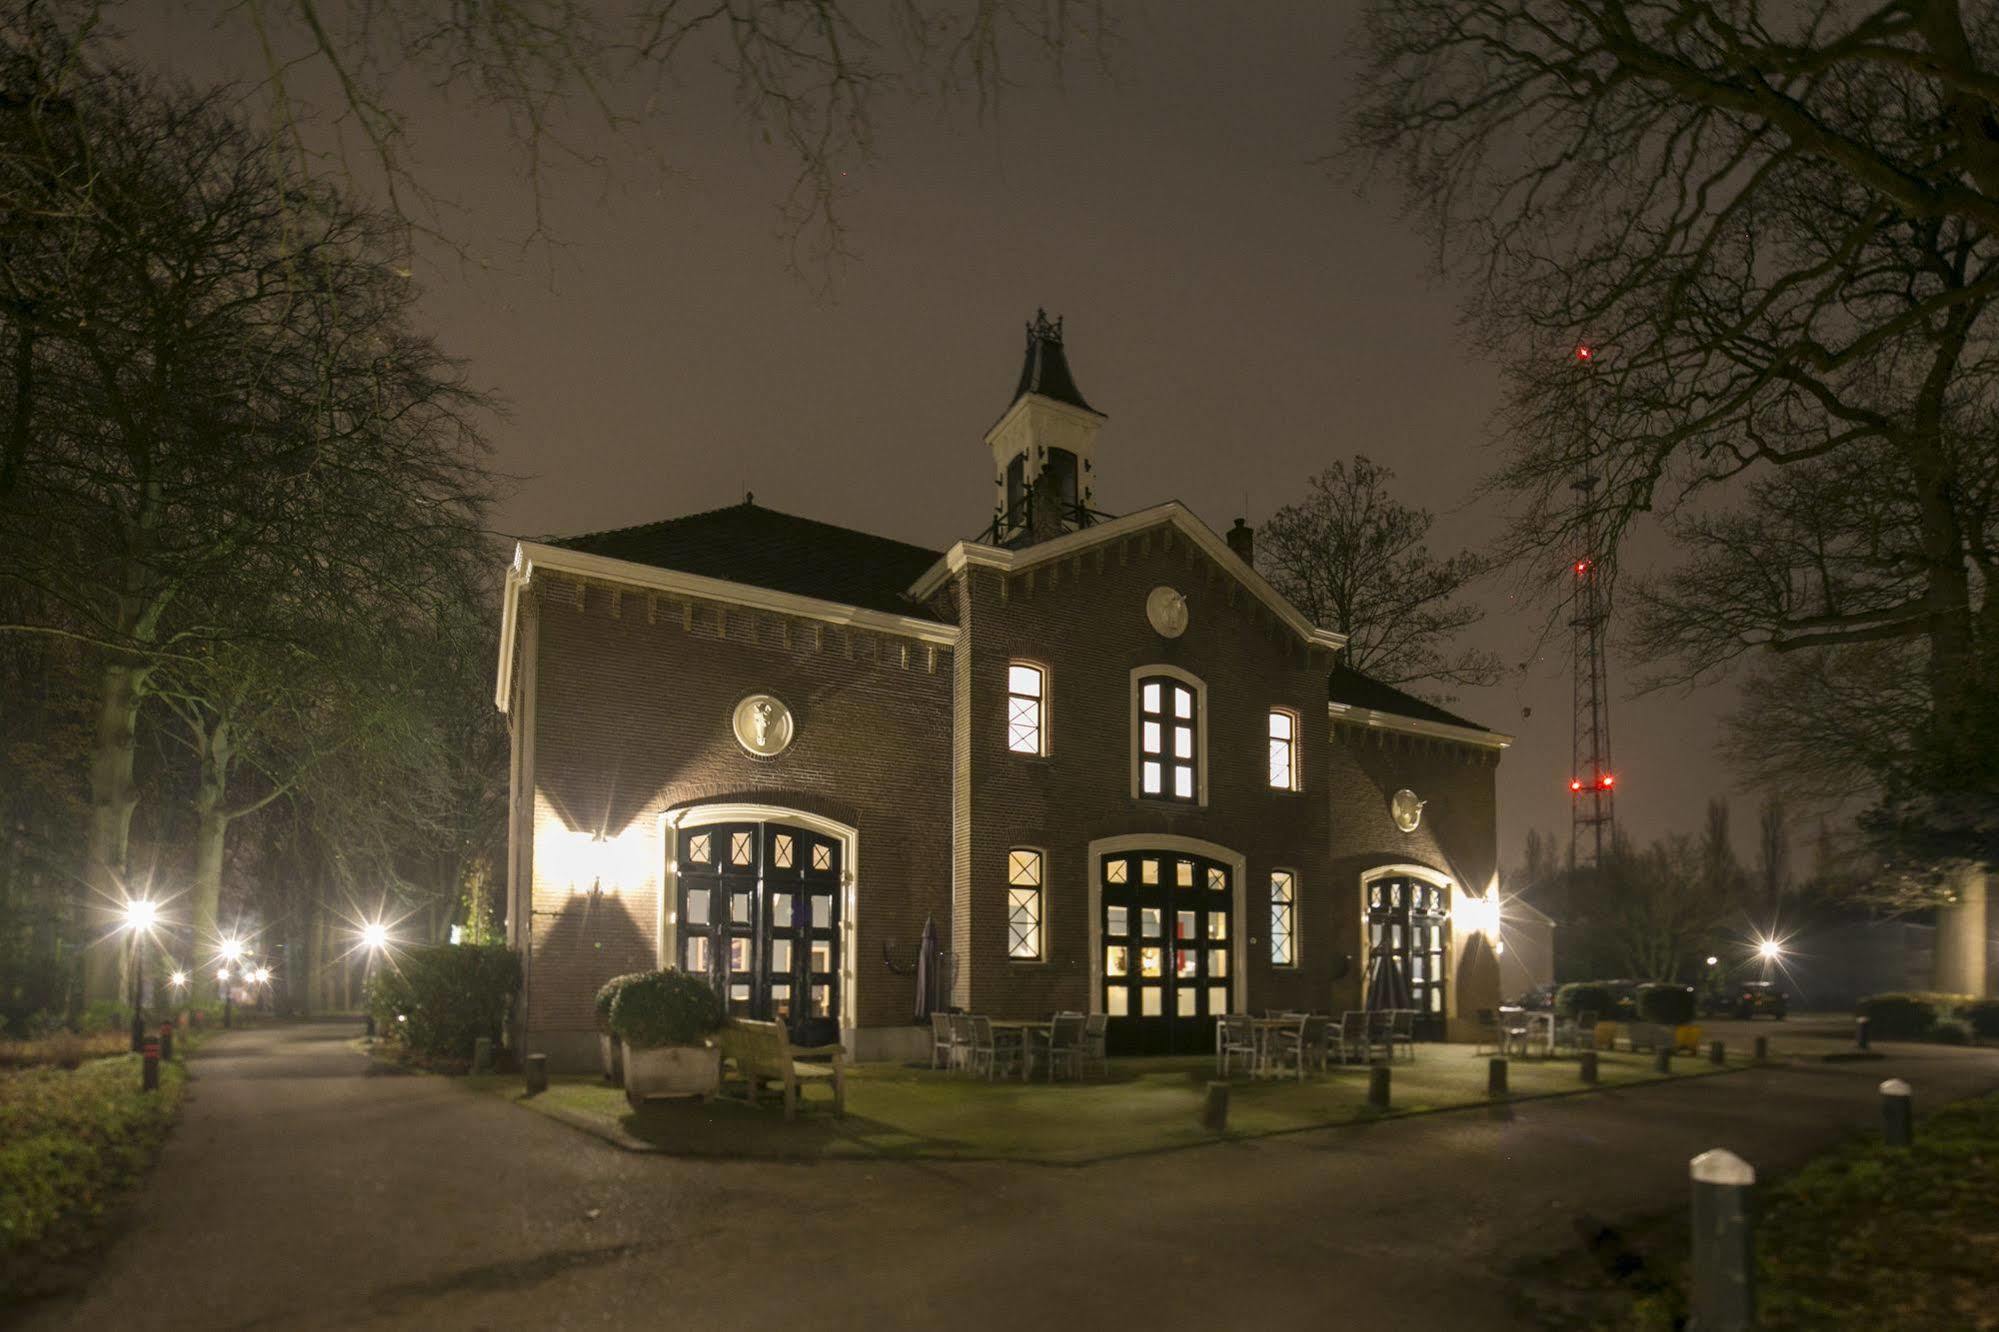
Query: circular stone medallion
<point x="763" y="725"/>
<point x="1407" y="809"/>
<point x="1167" y="610"/>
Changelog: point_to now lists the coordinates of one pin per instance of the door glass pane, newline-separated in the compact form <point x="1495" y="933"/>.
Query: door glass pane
<point x="697" y="906"/>
<point x="1150" y="744"/>
<point x="780" y="1000"/>
<point x="1185" y="1001"/>
<point x="822" y="912"/>
<point x="822" y="856"/>
<point x="739" y="955"/>
<point x="695" y="954"/>
<point x="1218" y="879"/>
<point x="1153" y="782"/>
<point x="1117" y="960"/>
<point x="1115" y="870"/>
<point x="781" y="853"/>
<point x="1148" y="871"/>
<point x="1183" y="702"/>
<point x="1183" y="873"/>
<point x="822" y="955"/>
<point x="1184" y="925"/>
<point x="1186" y="962"/>
<point x="1149" y="697"/>
<point x="780" y="957"/>
<point x="739" y="997"/>
<point x="1218" y="1000"/>
<point x="739" y="848"/>
<point x="1183" y="742"/>
<point x="1117" y="1001"/>
<point x="1218" y="962"/>
<point x="1183" y="783"/>
<point x="739" y="908"/>
<point x="780" y="910"/>
<point x="1218" y="925"/>
<point x="822" y="1001"/>
<point x="699" y="850"/>
<point x="1114" y="921"/>
<point x="1149" y="1002"/>
<point x="1151" y="962"/>
<point x="1148" y="922"/>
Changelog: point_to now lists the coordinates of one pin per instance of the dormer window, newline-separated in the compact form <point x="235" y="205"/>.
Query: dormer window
<point x="1168" y="753"/>
<point x="1026" y="708"/>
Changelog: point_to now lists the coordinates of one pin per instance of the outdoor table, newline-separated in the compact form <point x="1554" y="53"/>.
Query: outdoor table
<point x="1265" y="1028"/>
<point x="1025" y="1029"/>
<point x="1545" y="1020"/>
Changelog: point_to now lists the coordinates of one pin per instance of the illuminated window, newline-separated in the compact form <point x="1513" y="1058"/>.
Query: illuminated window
<point x="740" y="848"/>
<point x="781" y="851"/>
<point x="1283" y="750"/>
<point x="822" y="857"/>
<point x="1025" y="705"/>
<point x="1023" y="905"/>
<point x="1283" y="918"/>
<point x="1167" y="732"/>
<point x="699" y="851"/>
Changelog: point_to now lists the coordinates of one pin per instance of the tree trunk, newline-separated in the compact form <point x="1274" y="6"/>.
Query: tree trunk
<point x="112" y="800"/>
<point x="211" y="835"/>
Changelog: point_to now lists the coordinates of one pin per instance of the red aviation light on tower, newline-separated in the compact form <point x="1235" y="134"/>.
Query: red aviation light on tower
<point x="1606" y="781"/>
<point x="1575" y="783"/>
<point x="1584" y="353"/>
<point x="1582" y="566"/>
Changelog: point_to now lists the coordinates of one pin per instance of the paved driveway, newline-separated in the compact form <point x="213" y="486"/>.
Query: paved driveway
<point x="305" y="1191"/>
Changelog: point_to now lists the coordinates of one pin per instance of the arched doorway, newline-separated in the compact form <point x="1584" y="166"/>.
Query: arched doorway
<point x="1408" y="918"/>
<point x="759" y="900"/>
<point x="1166" y="935"/>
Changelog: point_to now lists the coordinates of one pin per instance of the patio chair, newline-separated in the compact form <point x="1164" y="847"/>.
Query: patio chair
<point x="961" y="1040"/>
<point x="1516" y="1032"/>
<point x="1402" y="1031"/>
<point x="1096" y="1054"/>
<point x="1061" y="1046"/>
<point x="1352" y="1038"/>
<point x="988" y="1053"/>
<point x="1488" y="1031"/>
<point x="1235" y="1042"/>
<point x="943" y="1047"/>
<point x="1577" y="1033"/>
<point x="1300" y="1049"/>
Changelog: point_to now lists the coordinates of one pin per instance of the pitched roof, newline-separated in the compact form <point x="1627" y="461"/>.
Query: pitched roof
<point x="1349" y="686"/>
<point x="747" y="543"/>
<point x="1046" y="370"/>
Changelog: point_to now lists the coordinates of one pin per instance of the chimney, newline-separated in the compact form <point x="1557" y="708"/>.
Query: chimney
<point x="1242" y="540"/>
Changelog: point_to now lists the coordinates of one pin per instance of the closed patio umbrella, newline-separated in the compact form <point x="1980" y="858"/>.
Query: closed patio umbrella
<point x="926" y="969"/>
<point x="1387" y="987"/>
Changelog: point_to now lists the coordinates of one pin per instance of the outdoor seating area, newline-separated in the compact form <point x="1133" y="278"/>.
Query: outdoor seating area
<point x="1293" y="1044"/>
<point x="1070" y="1045"/>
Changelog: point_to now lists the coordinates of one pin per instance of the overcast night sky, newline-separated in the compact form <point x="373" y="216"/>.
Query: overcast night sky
<point x="1241" y="316"/>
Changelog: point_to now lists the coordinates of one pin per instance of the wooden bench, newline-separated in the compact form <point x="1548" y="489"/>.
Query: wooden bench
<point x="761" y="1053"/>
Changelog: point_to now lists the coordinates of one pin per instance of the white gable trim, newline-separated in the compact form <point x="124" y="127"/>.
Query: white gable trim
<point x="531" y="557"/>
<point x="967" y="553"/>
<point x="1389" y="721"/>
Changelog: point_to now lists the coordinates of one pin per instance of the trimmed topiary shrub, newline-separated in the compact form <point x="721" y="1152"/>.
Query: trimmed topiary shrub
<point x="607" y="993"/>
<point x="437" y="1000"/>
<point x="1666" y="1004"/>
<point x="1586" y="997"/>
<point x="668" y="1007"/>
<point x="1906" y="1017"/>
<point x="1983" y="1017"/>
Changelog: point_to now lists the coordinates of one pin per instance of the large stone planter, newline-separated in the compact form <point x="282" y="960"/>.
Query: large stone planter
<point x="671" y="1070"/>
<point x="612" y="1051"/>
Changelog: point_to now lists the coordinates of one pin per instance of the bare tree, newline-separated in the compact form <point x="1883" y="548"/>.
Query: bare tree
<point x="1356" y="560"/>
<point x="1772" y="227"/>
<point x="1773" y="853"/>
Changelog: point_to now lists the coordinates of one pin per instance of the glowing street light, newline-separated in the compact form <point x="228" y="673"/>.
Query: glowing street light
<point x="1713" y="960"/>
<point x="232" y="949"/>
<point x="178" y="980"/>
<point x="1770" y="950"/>
<point x="375" y="936"/>
<point x="141" y="914"/>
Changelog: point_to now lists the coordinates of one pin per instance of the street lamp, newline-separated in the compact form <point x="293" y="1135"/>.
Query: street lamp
<point x="232" y="952"/>
<point x="1770" y="950"/>
<point x="375" y="938"/>
<point x="140" y="915"/>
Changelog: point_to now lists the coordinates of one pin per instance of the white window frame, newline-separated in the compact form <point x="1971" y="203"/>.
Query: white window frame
<point x="1200" y="688"/>
<point x="1040" y="887"/>
<point x="1269" y="920"/>
<point x="1297" y="782"/>
<point x="1041" y="748"/>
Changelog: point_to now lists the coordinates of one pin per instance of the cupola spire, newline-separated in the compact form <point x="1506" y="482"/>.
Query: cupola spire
<point x="1044" y="447"/>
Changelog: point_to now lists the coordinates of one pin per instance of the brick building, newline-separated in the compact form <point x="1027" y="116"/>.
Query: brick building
<point x="1100" y="757"/>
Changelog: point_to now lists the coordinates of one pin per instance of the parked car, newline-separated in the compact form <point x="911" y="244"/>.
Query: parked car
<point x="1756" y="998"/>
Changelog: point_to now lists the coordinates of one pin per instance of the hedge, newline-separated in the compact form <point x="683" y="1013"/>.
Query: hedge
<point x="1983" y="1017"/>
<point x="667" y="1007"/>
<point x="1899" y="1016"/>
<point x="439" y="999"/>
<point x="1666" y="1004"/>
<point x="1587" y="997"/>
<point x="607" y="993"/>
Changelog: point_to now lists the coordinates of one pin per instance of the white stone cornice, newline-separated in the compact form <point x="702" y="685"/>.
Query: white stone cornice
<point x="972" y="554"/>
<point x="1390" y="721"/>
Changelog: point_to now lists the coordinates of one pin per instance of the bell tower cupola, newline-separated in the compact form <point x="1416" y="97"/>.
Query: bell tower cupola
<point x="1044" y="448"/>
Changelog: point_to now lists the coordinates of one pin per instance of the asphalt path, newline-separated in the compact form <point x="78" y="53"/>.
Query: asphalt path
<point x="305" y="1189"/>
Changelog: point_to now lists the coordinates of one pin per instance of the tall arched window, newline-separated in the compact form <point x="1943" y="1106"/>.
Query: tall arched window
<point x="1026" y="708"/>
<point x="1169" y="748"/>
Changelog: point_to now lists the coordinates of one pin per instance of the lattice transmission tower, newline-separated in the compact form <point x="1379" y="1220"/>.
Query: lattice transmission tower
<point x="1592" y="781"/>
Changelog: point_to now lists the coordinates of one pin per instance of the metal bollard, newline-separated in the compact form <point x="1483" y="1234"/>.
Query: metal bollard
<point x="1717" y="1053"/>
<point x="1860" y="1032"/>
<point x="1377" y="1087"/>
<point x="1724" y="1294"/>
<point x="1762" y="1048"/>
<point x="149" y="1068"/>
<point x="1898" y="1114"/>
<point x="166" y="1040"/>
<point x="1662" y="1058"/>
<point x="1215" y="1108"/>
<point x="482" y="1055"/>
<point x="1588" y="1069"/>
<point x="1495" y="1077"/>
<point x="537" y="1070"/>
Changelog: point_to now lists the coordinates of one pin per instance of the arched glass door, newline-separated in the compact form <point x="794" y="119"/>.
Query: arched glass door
<point x="1167" y="921"/>
<point x="1408" y="920"/>
<point x="759" y="913"/>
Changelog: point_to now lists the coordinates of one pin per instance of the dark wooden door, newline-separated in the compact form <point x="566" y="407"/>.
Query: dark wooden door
<point x="1168" y="931"/>
<point x="759" y="915"/>
<point x="1409" y="920"/>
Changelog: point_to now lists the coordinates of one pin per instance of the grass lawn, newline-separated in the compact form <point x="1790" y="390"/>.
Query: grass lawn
<point x="1147" y="1105"/>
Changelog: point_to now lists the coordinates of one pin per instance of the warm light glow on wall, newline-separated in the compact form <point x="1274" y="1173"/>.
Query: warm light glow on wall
<point x="583" y="860"/>
<point x="1482" y="914"/>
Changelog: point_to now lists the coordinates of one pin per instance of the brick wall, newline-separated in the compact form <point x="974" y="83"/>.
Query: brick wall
<point x="1083" y="619"/>
<point x="631" y="716"/>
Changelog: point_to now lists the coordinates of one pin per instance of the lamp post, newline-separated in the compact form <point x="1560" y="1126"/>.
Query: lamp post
<point x="222" y="983"/>
<point x="139" y="917"/>
<point x="374" y="937"/>
<point x="232" y="953"/>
